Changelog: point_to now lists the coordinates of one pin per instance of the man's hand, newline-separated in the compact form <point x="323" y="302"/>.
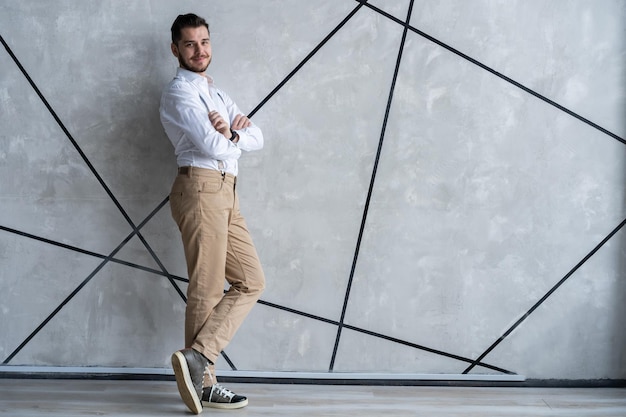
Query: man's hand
<point x="240" y="122"/>
<point x="219" y="123"/>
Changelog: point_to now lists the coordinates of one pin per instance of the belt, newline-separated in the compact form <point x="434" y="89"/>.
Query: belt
<point x="203" y="172"/>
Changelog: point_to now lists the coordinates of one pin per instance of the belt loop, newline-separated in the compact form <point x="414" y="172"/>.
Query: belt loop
<point x="186" y="171"/>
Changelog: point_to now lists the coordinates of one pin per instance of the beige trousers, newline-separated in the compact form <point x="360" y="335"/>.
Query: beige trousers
<point x="217" y="247"/>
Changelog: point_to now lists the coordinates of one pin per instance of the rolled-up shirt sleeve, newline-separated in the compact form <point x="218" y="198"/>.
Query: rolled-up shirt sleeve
<point x="185" y="119"/>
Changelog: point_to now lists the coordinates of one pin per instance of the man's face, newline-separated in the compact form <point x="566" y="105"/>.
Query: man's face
<point x="193" y="49"/>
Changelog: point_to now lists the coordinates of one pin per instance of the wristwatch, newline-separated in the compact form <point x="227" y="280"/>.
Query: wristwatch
<point x="233" y="135"/>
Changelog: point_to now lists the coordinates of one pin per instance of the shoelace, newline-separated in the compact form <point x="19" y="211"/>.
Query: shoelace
<point x="208" y="374"/>
<point x="201" y="381"/>
<point x="223" y="392"/>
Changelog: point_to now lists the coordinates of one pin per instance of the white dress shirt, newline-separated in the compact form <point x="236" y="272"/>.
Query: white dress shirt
<point x="185" y="106"/>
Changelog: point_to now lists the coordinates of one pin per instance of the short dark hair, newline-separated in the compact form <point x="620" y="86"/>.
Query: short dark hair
<point x="188" y="20"/>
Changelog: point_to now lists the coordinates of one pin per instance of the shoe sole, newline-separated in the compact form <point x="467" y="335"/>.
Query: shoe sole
<point x="226" y="406"/>
<point x="184" y="383"/>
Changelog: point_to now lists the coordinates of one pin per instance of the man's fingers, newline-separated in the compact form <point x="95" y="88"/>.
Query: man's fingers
<point x="218" y="122"/>
<point x="241" y="122"/>
<point x="215" y="118"/>
<point x="214" y="115"/>
<point x="236" y="122"/>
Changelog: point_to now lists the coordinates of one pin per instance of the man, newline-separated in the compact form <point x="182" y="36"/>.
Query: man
<point x="208" y="133"/>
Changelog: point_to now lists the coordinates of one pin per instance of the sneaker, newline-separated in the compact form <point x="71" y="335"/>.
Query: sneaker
<point x="209" y="377"/>
<point x="217" y="396"/>
<point x="189" y="368"/>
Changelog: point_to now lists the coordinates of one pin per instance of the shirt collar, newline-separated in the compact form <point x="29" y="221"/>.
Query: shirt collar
<point x="192" y="77"/>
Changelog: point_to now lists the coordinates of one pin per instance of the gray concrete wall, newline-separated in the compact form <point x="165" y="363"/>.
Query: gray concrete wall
<point x="400" y="238"/>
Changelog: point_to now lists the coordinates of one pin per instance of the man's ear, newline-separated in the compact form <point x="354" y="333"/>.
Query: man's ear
<point x="174" y="49"/>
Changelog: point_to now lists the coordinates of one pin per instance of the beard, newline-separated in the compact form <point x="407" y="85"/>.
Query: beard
<point x="194" y="68"/>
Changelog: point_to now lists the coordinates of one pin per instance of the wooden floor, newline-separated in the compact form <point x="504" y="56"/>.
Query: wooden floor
<point x="71" y="398"/>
